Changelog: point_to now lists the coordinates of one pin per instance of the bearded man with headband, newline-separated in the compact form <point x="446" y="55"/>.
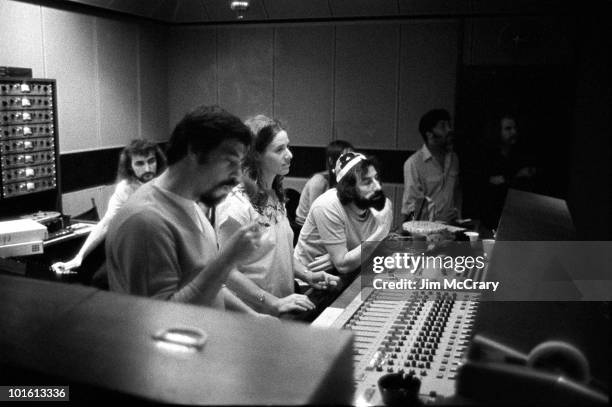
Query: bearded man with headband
<point x="356" y="210"/>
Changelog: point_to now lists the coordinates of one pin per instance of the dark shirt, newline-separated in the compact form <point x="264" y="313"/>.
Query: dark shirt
<point x="508" y="166"/>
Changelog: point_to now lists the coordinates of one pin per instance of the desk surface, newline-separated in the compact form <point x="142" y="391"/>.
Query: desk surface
<point x="106" y="340"/>
<point x="79" y="229"/>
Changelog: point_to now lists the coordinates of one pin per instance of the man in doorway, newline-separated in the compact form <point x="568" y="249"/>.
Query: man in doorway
<point x="431" y="175"/>
<point x="161" y="244"/>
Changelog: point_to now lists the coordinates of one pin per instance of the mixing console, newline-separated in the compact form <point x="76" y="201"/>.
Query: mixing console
<point x="425" y="333"/>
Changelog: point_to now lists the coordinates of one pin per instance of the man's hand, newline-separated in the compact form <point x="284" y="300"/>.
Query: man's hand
<point x="293" y="302"/>
<point x="321" y="263"/>
<point x="242" y="244"/>
<point x="322" y="280"/>
<point x="66" y="267"/>
<point x="525" y="172"/>
<point x="384" y="217"/>
<point x="497" y="180"/>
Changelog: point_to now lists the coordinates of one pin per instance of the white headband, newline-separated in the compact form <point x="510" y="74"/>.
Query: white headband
<point x="340" y="174"/>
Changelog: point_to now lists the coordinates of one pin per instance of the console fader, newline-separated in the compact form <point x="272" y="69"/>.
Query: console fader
<point x="425" y="333"/>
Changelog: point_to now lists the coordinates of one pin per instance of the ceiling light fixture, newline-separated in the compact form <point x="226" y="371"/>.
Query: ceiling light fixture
<point x="239" y="7"/>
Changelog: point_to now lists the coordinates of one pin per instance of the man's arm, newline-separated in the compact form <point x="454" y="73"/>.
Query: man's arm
<point x="317" y="279"/>
<point x="98" y="232"/>
<point x="144" y="249"/>
<point x="346" y="261"/>
<point x="234" y="303"/>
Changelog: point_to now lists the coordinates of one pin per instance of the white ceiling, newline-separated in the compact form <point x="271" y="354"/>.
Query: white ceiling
<point x="218" y="11"/>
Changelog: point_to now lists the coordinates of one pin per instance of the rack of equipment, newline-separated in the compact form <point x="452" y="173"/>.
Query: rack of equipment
<point x="29" y="150"/>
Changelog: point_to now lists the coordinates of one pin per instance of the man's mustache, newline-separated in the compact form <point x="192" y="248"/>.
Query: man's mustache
<point x="377" y="196"/>
<point x="147" y="175"/>
<point x="228" y="183"/>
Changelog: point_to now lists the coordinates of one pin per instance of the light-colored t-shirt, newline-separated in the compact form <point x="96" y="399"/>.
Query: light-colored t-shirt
<point x="314" y="188"/>
<point x="271" y="266"/>
<point x="122" y="193"/>
<point x="330" y="222"/>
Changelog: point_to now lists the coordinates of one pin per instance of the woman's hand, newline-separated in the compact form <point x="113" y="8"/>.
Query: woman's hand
<point x="293" y="302"/>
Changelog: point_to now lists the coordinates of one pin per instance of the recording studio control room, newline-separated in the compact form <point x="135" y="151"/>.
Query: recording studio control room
<point x="306" y="202"/>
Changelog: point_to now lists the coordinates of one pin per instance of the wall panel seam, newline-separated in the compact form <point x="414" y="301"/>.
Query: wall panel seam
<point x="398" y="84"/>
<point x="273" y="72"/>
<point x="333" y="87"/>
<point x="217" y="80"/>
<point x="42" y="44"/>
<point x="97" y="83"/>
<point x="139" y="82"/>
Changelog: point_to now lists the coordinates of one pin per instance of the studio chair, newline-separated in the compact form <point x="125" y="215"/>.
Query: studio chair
<point x="94" y="264"/>
<point x="90" y="214"/>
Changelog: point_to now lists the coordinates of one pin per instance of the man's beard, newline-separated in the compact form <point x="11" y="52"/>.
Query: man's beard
<point x="215" y="195"/>
<point x="146" y="177"/>
<point x="376" y="201"/>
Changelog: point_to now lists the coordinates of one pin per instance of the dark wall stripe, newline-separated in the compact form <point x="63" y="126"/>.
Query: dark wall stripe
<point x="308" y="160"/>
<point x="99" y="167"/>
<point x="88" y="169"/>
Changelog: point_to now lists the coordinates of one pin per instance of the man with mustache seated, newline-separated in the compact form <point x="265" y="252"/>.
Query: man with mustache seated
<point x="161" y="244"/>
<point x="356" y="210"/>
<point x="139" y="162"/>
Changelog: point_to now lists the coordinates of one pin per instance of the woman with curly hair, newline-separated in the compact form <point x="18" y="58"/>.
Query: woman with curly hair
<point x="266" y="281"/>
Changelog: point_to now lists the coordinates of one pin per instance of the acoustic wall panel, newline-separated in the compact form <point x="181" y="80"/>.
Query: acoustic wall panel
<point x="303" y="82"/>
<point x="245" y="70"/>
<point x="118" y="82"/>
<point x="70" y="57"/>
<point x="21" y="36"/>
<point x="428" y="70"/>
<point x="153" y="82"/>
<point x="165" y="10"/>
<point x="366" y="73"/>
<point x="192" y="70"/>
